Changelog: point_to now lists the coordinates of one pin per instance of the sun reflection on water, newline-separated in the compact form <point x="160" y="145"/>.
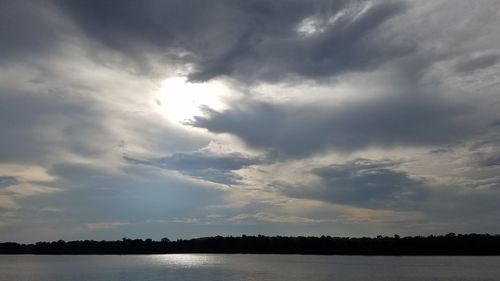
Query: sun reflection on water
<point x="186" y="260"/>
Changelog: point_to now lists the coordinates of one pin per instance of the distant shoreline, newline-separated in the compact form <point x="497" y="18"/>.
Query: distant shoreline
<point x="434" y="245"/>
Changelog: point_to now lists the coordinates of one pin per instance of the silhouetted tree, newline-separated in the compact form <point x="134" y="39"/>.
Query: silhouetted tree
<point x="449" y="244"/>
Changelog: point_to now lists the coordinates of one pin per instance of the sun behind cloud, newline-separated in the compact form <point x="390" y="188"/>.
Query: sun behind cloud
<point x="181" y="100"/>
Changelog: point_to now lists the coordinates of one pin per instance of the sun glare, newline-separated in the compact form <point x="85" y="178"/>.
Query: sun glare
<point x="181" y="100"/>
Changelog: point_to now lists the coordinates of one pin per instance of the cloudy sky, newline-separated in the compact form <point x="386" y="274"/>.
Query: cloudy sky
<point x="184" y="118"/>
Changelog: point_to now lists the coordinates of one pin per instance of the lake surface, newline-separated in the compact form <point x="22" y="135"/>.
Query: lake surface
<point x="209" y="267"/>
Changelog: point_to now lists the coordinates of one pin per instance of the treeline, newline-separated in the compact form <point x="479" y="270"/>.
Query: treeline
<point x="450" y="244"/>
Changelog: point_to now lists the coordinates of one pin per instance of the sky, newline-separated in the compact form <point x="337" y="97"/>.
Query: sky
<point x="184" y="118"/>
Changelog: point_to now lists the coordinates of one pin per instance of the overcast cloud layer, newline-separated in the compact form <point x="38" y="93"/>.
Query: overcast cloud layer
<point x="296" y="118"/>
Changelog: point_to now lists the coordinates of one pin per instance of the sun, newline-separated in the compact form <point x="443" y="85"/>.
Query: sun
<point x="182" y="100"/>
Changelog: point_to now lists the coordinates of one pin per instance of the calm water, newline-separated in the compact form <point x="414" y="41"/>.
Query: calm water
<point x="246" y="267"/>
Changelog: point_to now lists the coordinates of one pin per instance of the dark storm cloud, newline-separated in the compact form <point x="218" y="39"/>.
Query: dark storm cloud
<point x="349" y="44"/>
<point x="216" y="168"/>
<point x="26" y="116"/>
<point x="290" y="129"/>
<point x="490" y="161"/>
<point x="495" y="123"/>
<point x="28" y="30"/>
<point x="200" y="160"/>
<point x="7" y="181"/>
<point x="249" y="40"/>
<point x="364" y="183"/>
<point x="469" y="65"/>
<point x="440" y="151"/>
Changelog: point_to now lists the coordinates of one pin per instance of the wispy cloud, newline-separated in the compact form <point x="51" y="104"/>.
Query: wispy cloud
<point x="104" y="225"/>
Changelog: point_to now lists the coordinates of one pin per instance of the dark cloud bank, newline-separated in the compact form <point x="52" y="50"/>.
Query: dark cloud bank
<point x="365" y="183"/>
<point x="217" y="168"/>
<point x="249" y="40"/>
<point x="300" y="130"/>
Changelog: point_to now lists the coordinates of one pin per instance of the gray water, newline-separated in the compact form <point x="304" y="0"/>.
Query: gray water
<point x="247" y="267"/>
